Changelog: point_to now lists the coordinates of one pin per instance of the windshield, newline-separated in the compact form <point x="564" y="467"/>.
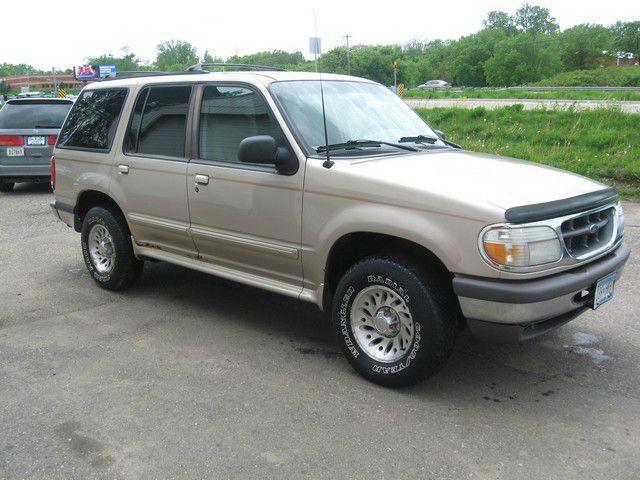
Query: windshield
<point x="355" y="111"/>
<point x="33" y="114"/>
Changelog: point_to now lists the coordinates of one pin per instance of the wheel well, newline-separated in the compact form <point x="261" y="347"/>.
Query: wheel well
<point x="353" y="247"/>
<point x="92" y="198"/>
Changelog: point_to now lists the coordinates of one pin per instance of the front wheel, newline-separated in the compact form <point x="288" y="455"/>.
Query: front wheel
<point x="397" y="325"/>
<point x="107" y="250"/>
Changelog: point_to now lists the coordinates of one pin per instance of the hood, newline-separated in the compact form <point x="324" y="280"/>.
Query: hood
<point x="469" y="176"/>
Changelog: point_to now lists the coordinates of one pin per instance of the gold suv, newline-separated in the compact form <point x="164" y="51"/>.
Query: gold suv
<point x="333" y="191"/>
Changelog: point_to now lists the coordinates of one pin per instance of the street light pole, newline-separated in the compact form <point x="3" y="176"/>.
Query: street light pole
<point x="347" y="36"/>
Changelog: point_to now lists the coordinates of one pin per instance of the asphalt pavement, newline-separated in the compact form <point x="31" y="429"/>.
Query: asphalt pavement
<point x="190" y="376"/>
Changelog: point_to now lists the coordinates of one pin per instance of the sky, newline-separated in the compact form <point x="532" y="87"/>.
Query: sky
<point x="62" y="35"/>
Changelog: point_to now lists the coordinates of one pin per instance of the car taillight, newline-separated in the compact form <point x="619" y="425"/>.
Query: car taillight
<point x="52" y="168"/>
<point x="11" y="140"/>
<point x="53" y="139"/>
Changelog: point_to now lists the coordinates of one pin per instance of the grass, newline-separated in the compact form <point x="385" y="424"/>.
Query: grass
<point x="521" y="94"/>
<point x="601" y="144"/>
<point x="628" y="76"/>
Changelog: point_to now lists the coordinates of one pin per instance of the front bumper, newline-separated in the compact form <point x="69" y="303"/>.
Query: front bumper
<point x="512" y="310"/>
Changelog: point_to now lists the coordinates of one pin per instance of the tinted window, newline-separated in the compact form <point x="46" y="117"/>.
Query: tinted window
<point x="161" y="129"/>
<point x="34" y="114"/>
<point x="131" y="144"/>
<point x="93" y="119"/>
<point x="229" y="115"/>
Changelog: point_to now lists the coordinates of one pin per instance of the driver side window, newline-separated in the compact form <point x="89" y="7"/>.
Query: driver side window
<point x="228" y="115"/>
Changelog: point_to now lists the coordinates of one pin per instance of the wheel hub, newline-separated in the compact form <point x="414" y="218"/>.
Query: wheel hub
<point x="382" y="323"/>
<point x="105" y="247"/>
<point x="101" y="248"/>
<point x="387" y="322"/>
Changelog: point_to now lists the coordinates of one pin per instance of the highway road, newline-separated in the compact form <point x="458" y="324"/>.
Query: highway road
<point x="528" y="104"/>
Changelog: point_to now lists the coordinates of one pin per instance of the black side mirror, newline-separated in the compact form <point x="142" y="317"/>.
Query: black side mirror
<point x="441" y="134"/>
<point x="263" y="149"/>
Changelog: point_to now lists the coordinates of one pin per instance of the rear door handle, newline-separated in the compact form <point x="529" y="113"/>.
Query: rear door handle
<point x="202" y="179"/>
<point x="123" y="169"/>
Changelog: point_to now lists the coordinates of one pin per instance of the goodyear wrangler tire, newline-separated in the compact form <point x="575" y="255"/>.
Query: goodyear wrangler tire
<point x="107" y="250"/>
<point x="396" y="324"/>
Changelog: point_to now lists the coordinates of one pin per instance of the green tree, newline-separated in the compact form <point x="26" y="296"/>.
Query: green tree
<point x="581" y="46"/>
<point x="498" y="20"/>
<point x="175" y="55"/>
<point x="469" y="55"/>
<point x="519" y="59"/>
<point x="126" y="62"/>
<point x="627" y="37"/>
<point x="535" y="20"/>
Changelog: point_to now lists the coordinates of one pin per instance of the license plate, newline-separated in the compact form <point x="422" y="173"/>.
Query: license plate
<point x="15" y="151"/>
<point x="35" y="140"/>
<point x="604" y="289"/>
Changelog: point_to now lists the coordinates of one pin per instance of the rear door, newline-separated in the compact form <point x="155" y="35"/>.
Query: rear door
<point x="149" y="176"/>
<point x="243" y="217"/>
<point x="28" y="132"/>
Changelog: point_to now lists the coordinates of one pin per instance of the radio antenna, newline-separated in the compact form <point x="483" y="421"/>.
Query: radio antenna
<point x="328" y="163"/>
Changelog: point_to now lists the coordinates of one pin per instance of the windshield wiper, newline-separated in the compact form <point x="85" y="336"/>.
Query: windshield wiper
<point x="430" y="140"/>
<point x="349" y="144"/>
<point x="46" y="126"/>
<point x="419" y="139"/>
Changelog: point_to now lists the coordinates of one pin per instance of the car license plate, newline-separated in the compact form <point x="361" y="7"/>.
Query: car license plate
<point x="35" y="141"/>
<point x="15" y="151"/>
<point x="604" y="289"/>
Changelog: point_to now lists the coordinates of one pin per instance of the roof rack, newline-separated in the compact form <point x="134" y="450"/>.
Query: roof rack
<point x="144" y="73"/>
<point x="199" y="67"/>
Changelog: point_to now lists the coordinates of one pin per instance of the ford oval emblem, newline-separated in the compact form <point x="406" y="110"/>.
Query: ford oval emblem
<point x="594" y="229"/>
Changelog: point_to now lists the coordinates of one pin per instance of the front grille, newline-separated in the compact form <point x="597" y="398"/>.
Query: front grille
<point x="588" y="233"/>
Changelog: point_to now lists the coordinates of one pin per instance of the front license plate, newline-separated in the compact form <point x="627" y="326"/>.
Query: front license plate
<point x="604" y="289"/>
<point x="15" y="151"/>
<point x="35" y="140"/>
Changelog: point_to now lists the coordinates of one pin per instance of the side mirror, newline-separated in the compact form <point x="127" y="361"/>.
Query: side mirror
<point x="441" y="134"/>
<point x="263" y="149"/>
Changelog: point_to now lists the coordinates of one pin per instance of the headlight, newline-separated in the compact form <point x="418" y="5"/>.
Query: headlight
<point x="507" y="247"/>
<point x="620" y="220"/>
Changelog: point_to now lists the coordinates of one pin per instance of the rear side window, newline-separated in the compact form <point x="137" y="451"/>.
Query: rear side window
<point x="93" y="120"/>
<point x="34" y="114"/>
<point x="159" y="122"/>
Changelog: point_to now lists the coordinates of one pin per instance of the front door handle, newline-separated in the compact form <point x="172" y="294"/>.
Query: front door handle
<point x="202" y="179"/>
<point x="123" y="169"/>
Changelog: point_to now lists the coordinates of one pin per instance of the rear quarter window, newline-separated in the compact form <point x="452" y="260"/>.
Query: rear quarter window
<point x="33" y="114"/>
<point x="92" y="122"/>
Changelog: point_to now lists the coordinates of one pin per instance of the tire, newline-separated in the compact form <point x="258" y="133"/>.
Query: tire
<point x="6" y="186"/>
<point x="417" y="335"/>
<point x="121" y="268"/>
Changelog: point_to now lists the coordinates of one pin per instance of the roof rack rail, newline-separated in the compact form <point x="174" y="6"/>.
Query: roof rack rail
<point x="144" y="73"/>
<point x="200" y="67"/>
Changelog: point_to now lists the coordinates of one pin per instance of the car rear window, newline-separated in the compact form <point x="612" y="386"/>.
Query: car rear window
<point x="92" y="121"/>
<point x="33" y="114"/>
<point x="158" y="123"/>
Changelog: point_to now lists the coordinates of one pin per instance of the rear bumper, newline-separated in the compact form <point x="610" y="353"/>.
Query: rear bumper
<point x="63" y="212"/>
<point x="24" y="172"/>
<point x="512" y="310"/>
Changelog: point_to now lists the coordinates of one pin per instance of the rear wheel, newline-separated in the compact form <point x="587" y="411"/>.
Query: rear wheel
<point x="397" y="325"/>
<point x="6" y="186"/>
<point x="107" y="250"/>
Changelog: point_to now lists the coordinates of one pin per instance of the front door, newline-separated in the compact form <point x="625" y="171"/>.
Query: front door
<point x="243" y="217"/>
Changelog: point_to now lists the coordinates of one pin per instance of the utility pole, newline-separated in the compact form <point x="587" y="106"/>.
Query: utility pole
<point x="55" y="83"/>
<point x="347" y="36"/>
